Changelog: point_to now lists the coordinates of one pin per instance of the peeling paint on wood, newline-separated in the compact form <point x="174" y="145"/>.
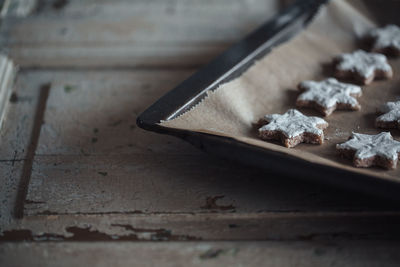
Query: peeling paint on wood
<point x="97" y="180"/>
<point x="278" y="226"/>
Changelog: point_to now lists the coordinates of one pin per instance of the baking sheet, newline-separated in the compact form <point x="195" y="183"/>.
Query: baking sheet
<point x="269" y="86"/>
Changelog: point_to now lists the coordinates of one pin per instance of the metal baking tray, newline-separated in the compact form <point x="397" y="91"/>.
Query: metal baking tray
<point x="232" y="64"/>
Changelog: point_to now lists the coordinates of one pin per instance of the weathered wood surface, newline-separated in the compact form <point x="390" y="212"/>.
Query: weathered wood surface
<point x="10" y="171"/>
<point x="270" y="254"/>
<point x="131" y="33"/>
<point x="74" y="166"/>
<point x="214" y="225"/>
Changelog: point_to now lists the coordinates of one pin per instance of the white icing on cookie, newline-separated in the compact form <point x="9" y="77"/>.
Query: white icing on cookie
<point x="368" y="146"/>
<point x="363" y="63"/>
<point x="392" y="112"/>
<point x="386" y="37"/>
<point x="330" y="92"/>
<point x="293" y="123"/>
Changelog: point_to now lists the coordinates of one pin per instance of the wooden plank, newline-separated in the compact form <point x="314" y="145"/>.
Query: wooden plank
<point x="15" y="136"/>
<point x="19" y="135"/>
<point x="10" y="173"/>
<point x="104" y="8"/>
<point x="304" y="226"/>
<point x="17" y="126"/>
<point x="117" y="56"/>
<point x="90" y="112"/>
<point x="132" y="33"/>
<point x="157" y="182"/>
<point x="350" y="253"/>
<point x="141" y="22"/>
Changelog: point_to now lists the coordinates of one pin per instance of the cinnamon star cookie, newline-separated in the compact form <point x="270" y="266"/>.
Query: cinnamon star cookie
<point x="386" y="40"/>
<point x="328" y="95"/>
<point x="362" y="66"/>
<point x="371" y="150"/>
<point x="391" y="118"/>
<point x="293" y="128"/>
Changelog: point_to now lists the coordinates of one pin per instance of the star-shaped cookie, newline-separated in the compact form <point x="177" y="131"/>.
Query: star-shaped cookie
<point x="328" y="95"/>
<point x="391" y="118"/>
<point x="371" y="150"/>
<point x="293" y="128"/>
<point x="386" y="40"/>
<point x="362" y="66"/>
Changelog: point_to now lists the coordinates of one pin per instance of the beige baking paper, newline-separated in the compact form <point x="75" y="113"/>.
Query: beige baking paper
<point x="269" y="86"/>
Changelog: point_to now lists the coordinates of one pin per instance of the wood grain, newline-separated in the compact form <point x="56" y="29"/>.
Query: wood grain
<point x="10" y="171"/>
<point x="131" y="34"/>
<point x="94" y="112"/>
<point x="209" y="225"/>
<point x="166" y="183"/>
<point x="348" y="253"/>
<point x="18" y="123"/>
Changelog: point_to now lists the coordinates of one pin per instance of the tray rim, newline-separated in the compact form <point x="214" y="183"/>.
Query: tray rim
<point x="234" y="62"/>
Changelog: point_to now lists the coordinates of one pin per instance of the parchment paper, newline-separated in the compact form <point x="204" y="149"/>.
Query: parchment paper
<point x="269" y="86"/>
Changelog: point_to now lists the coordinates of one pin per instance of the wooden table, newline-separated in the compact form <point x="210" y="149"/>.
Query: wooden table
<point x="80" y="184"/>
